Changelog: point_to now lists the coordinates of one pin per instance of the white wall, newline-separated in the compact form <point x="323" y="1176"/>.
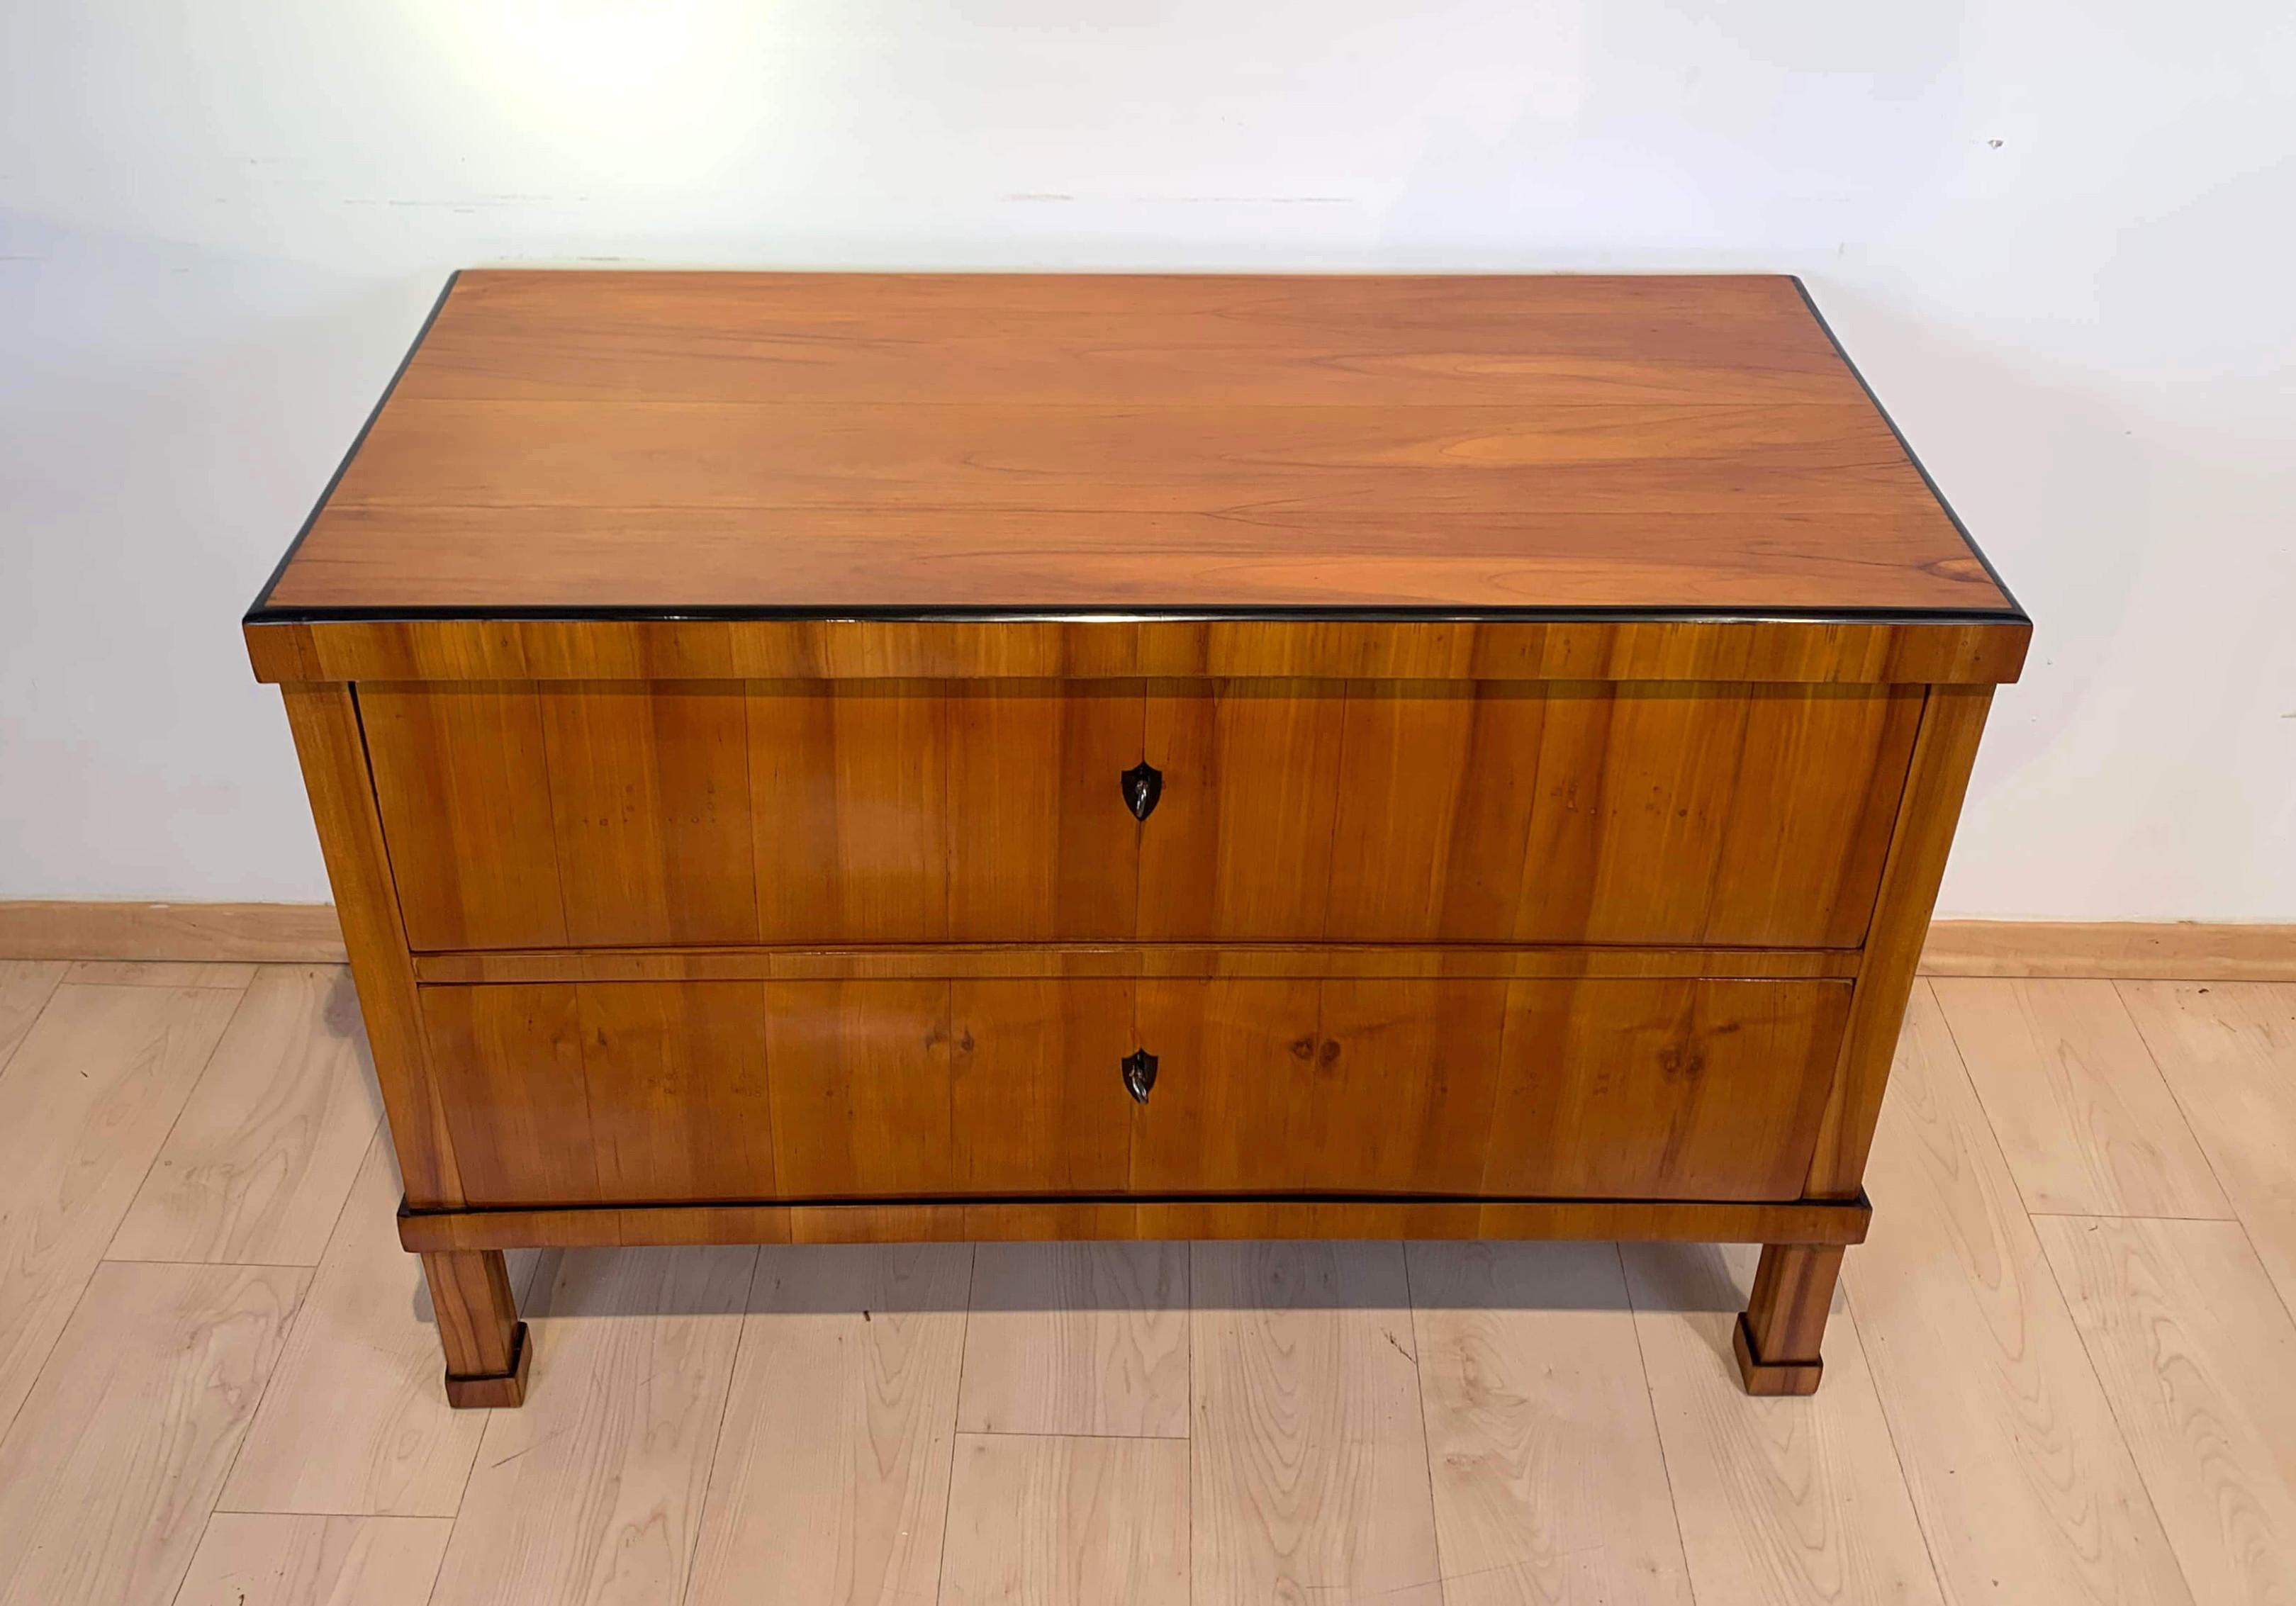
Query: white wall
<point x="2057" y="235"/>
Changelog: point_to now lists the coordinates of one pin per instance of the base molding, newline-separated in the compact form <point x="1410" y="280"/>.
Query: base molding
<point x="1034" y="1220"/>
<point x="267" y="933"/>
<point x="309" y="934"/>
<point x="2111" y="950"/>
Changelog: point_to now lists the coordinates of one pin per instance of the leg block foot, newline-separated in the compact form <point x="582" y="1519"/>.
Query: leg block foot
<point x="1771" y="1376"/>
<point x="1777" y="1336"/>
<point x="486" y="1350"/>
<point x="483" y="1391"/>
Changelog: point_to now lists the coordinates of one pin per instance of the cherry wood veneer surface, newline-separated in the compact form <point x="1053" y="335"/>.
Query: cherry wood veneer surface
<point x="834" y="443"/>
<point x="649" y="814"/>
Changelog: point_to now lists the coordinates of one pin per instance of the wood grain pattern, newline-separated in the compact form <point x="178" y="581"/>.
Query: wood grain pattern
<point x="1049" y="1522"/>
<point x="1914" y="651"/>
<point x="593" y="1493"/>
<point x="247" y="1560"/>
<point x="920" y="1088"/>
<point x="999" y="1221"/>
<point x="2228" y="1052"/>
<point x="1627" y="813"/>
<point x="509" y="335"/>
<point x="25" y="987"/>
<point x="1040" y="845"/>
<point x="1549" y="1483"/>
<point x="1183" y="428"/>
<point x="460" y="771"/>
<point x="2113" y="950"/>
<point x="645" y="1093"/>
<point x="161" y="972"/>
<point x="1685" y="1089"/>
<point x="70" y="929"/>
<point x="648" y="788"/>
<point x="107" y="1475"/>
<point x="888" y="1089"/>
<point x="1309" y="1469"/>
<point x="1078" y="1339"/>
<point x="477" y="1314"/>
<point x="1235" y="1086"/>
<point x="2016" y="1465"/>
<point x="1034" y="1086"/>
<point x="332" y="752"/>
<point x="1240" y="844"/>
<point x="2084" y="1119"/>
<point x="257" y="1168"/>
<point x="1779" y="1341"/>
<point x="838" y="1489"/>
<point x="85" y="1106"/>
<point x="1781" y="1502"/>
<point x="1359" y="1087"/>
<point x="1300" y="811"/>
<point x="511" y="1063"/>
<point x="355" y="1421"/>
<point x="1426" y="961"/>
<point x="850" y="798"/>
<point x="2195" y="1350"/>
<point x="675" y="1089"/>
<point x="1945" y="749"/>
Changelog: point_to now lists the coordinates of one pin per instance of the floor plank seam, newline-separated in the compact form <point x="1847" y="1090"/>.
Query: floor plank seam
<point x="2177" y="1104"/>
<point x="191" y="1093"/>
<point x="2115" y="1215"/>
<point x="1889" y="1433"/>
<point x="718" y="1438"/>
<point x="2286" y="1296"/>
<point x="255" y="1266"/>
<point x="1116" y="1438"/>
<point x="1658" y="1432"/>
<point x="207" y="1526"/>
<point x="955" y="1415"/>
<point x="80" y="1297"/>
<point x="1419" y="1395"/>
<point x="1985" y="1110"/>
<point x="32" y="1025"/>
<point x="2120" y="1425"/>
<point x="2119" y="1428"/>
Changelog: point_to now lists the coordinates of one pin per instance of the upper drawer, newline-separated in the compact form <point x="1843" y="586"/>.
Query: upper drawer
<point x="582" y="814"/>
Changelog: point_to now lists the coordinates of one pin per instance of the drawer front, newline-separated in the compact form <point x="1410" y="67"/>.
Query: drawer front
<point x="671" y="1092"/>
<point x="1683" y="1088"/>
<point x="632" y="814"/>
<point x="677" y="1091"/>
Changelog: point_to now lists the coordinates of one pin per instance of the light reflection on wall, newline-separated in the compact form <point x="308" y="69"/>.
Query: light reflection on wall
<point x="643" y="89"/>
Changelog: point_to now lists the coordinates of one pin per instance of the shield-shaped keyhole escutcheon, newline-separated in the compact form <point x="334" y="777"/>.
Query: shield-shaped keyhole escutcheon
<point x="1139" y="1074"/>
<point x="1142" y="785"/>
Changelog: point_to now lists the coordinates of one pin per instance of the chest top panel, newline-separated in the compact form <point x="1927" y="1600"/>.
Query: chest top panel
<point x="885" y="445"/>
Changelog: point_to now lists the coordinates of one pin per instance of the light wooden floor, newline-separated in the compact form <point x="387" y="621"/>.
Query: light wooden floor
<point x="2065" y="1369"/>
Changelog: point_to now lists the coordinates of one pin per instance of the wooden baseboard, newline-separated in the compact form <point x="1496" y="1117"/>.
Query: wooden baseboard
<point x="307" y="933"/>
<point x="285" y="933"/>
<point x="2121" y="951"/>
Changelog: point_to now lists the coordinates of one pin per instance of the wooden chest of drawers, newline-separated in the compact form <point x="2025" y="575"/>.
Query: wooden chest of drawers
<point x="816" y="757"/>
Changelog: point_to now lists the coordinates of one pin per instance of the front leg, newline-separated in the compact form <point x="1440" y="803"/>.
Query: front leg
<point x="1778" y="1336"/>
<point x="486" y="1350"/>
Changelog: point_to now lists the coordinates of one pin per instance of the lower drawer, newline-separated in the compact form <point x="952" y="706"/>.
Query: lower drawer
<point x="632" y="1093"/>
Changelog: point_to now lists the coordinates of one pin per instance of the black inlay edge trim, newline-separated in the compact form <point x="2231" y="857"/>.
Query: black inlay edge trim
<point x="262" y="613"/>
<point x="1907" y="447"/>
<point x="1176" y="613"/>
<point x="1858" y="1205"/>
<point x="259" y="612"/>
